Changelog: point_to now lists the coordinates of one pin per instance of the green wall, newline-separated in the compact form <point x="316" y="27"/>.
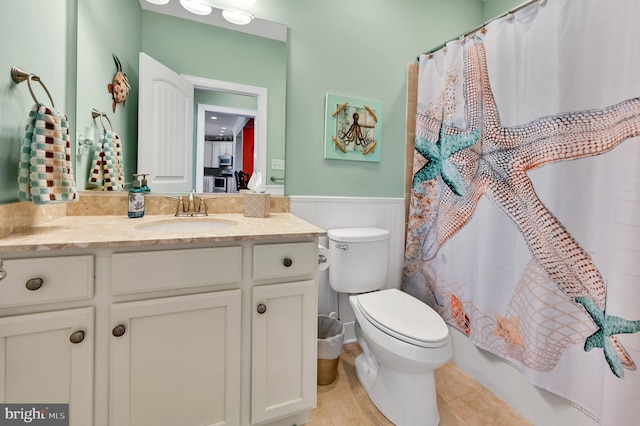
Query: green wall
<point x="98" y="40"/>
<point x="39" y="37"/>
<point x="358" y="48"/>
<point x="227" y="100"/>
<point x="495" y="8"/>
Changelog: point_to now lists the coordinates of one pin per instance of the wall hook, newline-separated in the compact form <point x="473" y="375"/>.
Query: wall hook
<point x="18" y="75"/>
<point x="95" y="113"/>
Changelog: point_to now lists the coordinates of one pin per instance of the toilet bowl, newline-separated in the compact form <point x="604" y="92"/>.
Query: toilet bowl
<point x="403" y="340"/>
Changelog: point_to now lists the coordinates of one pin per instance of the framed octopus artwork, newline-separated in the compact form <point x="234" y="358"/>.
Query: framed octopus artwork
<point x="353" y="129"/>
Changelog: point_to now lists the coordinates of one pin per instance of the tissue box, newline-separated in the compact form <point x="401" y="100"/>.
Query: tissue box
<point x="256" y="205"/>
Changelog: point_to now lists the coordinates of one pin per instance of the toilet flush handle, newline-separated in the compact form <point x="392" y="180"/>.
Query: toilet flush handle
<point x="344" y="247"/>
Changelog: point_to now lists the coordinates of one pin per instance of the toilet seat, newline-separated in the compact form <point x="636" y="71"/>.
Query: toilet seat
<point x="404" y="317"/>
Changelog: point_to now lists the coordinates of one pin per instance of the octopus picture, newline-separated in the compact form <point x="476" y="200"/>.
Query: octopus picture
<point x="354" y="129"/>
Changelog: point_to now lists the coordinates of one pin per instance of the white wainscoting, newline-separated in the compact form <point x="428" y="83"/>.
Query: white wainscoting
<point x="347" y="212"/>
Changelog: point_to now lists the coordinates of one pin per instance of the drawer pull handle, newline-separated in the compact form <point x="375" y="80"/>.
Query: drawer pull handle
<point x="118" y="330"/>
<point x="77" y="337"/>
<point x="287" y="262"/>
<point x="262" y="308"/>
<point x="3" y="273"/>
<point x="34" y="284"/>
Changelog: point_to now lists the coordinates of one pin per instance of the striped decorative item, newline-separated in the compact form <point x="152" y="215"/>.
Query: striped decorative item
<point x="107" y="170"/>
<point x="45" y="172"/>
<point x="97" y="169"/>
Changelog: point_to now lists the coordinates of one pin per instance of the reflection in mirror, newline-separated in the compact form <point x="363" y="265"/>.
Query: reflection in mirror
<point x="188" y="47"/>
<point x="237" y="94"/>
<point x="224" y="128"/>
<point x="165" y="141"/>
<point x="251" y="151"/>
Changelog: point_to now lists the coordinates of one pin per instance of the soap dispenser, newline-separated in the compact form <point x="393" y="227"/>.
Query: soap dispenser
<point x="136" y="198"/>
<point x="144" y="186"/>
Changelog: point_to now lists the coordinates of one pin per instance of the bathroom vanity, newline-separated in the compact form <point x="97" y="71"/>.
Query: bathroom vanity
<point x="147" y="326"/>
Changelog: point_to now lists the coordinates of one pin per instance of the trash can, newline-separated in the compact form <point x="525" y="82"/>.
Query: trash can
<point x="330" y="338"/>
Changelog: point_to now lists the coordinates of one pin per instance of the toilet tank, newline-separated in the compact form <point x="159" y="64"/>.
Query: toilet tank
<point x="358" y="259"/>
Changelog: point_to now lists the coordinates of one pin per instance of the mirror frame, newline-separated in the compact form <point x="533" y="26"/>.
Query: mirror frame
<point x="261" y="95"/>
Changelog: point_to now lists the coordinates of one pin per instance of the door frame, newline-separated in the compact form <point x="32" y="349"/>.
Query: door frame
<point x="261" y="95"/>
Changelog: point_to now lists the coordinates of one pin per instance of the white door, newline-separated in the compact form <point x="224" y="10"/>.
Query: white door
<point x="176" y="361"/>
<point x="47" y="358"/>
<point x="283" y="351"/>
<point x="165" y="127"/>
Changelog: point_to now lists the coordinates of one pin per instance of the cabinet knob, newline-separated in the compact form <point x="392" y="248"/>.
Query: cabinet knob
<point x="34" y="284"/>
<point x="262" y="308"/>
<point x="287" y="262"/>
<point x="118" y="330"/>
<point x="77" y="337"/>
<point x="3" y="273"/>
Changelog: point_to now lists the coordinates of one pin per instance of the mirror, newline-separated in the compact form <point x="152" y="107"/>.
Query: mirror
<point x="189" y="48"/>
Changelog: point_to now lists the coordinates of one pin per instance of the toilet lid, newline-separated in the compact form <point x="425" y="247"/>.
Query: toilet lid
<point x="404" y="317"/>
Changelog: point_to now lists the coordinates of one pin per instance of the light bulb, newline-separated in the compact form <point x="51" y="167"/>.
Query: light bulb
<point x="236" y="17"/>
<point x="195" y="7"/>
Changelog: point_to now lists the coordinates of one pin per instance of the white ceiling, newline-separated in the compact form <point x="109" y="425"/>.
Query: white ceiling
<point x="232" y="123"/>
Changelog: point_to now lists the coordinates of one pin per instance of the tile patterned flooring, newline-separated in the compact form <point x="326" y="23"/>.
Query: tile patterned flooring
<point x="461" y="400"/>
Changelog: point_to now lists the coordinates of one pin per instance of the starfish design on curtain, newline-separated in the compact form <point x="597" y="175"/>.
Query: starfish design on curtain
<point x="508" y="329"/>
<point x="437" y="156"/>
<point x="497" y="167"/>
<point x="608" y="325"/>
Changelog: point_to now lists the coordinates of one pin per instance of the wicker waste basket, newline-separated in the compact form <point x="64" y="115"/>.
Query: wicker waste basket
<point x="330" y="338"/>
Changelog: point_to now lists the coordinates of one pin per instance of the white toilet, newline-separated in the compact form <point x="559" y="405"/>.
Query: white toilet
<point x="403" y="340"/>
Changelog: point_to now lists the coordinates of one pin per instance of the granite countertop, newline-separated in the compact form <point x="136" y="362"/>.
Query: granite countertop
<point x="111" y="231"/>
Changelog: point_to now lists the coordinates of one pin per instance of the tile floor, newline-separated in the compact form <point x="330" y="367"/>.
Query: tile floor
<point x="461" y="400"/>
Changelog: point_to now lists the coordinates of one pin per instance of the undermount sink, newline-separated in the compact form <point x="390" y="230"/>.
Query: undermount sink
<point x="186" y="225"/>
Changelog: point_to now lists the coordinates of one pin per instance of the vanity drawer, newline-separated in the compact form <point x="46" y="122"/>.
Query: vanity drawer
<point x="46" y="279"/>
<point x="284" y="260"/>
<point x="170" y="269"/>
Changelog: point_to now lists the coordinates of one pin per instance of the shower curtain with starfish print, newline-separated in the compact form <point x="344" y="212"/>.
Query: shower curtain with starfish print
<point x="524" y="222"/>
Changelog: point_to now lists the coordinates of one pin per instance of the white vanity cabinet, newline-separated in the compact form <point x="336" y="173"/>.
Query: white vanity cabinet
<point x="176" y="361"/>
<point x="48" y="357"/>
<point x="284" y="329"/>
<point x="204" y="333"/>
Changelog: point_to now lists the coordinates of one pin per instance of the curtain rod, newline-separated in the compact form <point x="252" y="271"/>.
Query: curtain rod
<point x="482" y="27"/>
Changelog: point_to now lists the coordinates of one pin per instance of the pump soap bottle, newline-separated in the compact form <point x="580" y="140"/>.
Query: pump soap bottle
<point x="136" y="199"/>
<point x="145" y="186"/>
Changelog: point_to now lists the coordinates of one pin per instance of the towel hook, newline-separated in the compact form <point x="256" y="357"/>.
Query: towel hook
<point x="18" y="75"/>
<point x="95" y="113"/>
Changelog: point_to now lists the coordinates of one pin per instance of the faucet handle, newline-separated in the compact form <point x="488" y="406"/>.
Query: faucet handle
<point x="203" y="207"/>
<point x="180" y="207"/>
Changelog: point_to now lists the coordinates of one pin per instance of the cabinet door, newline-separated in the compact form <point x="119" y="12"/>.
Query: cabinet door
<point x="47" y="358"/>
<point x="284" y="345"/>
<point x="176" y="361"/>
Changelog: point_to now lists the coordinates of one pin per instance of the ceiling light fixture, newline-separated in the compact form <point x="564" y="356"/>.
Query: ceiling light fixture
<point x="237" y="17"/>
<point x="204" y="7"/>
<point x="195" y="7"/>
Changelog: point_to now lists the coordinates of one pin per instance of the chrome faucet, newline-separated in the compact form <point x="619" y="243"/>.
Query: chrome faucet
<point x="190" y="209"/>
